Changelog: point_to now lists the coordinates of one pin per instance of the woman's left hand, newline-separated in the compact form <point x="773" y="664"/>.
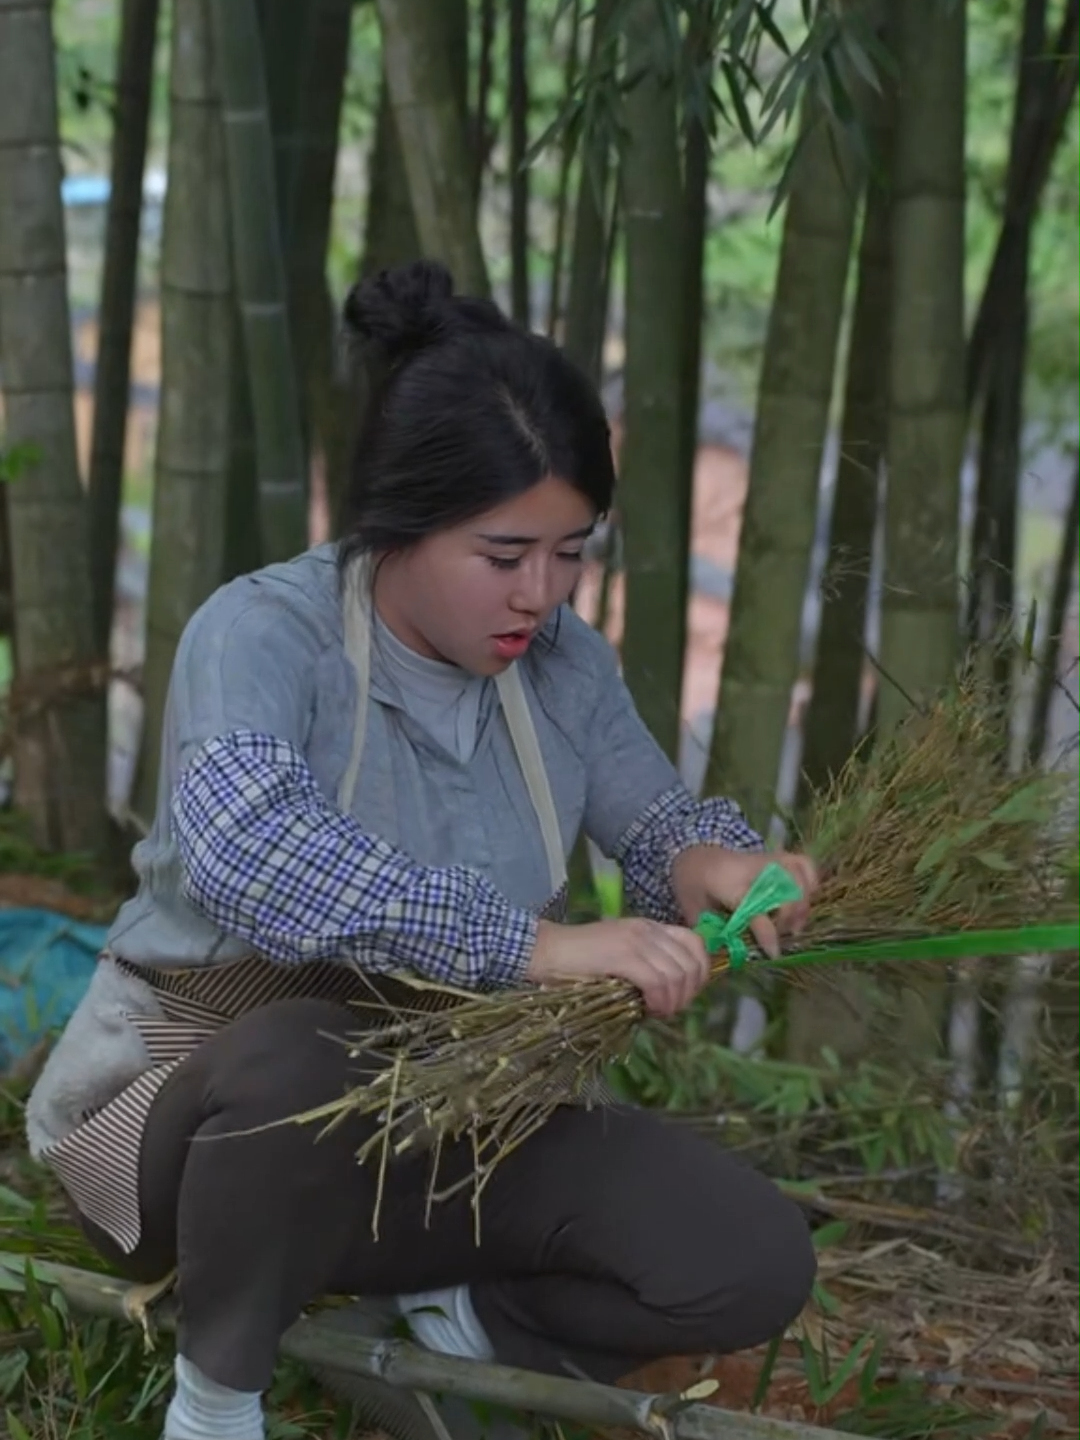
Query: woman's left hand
<point x="706" y="877"/>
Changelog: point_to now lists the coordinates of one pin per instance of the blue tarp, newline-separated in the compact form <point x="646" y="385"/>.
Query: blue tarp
<point x="46" y="961"/>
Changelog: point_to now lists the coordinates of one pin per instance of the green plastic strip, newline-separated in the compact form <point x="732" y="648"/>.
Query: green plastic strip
<point x="775" y="887"/>
<point x="957" y="945"/>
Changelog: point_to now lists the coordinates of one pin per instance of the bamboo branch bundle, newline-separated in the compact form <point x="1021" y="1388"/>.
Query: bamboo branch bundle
<point x="930" y="850"/>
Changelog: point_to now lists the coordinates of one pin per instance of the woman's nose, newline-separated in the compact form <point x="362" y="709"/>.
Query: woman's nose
<point x="531" y="591"/>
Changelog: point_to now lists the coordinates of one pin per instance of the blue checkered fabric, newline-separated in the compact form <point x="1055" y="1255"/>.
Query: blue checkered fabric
<point x="675" y="822"/>
<point x="268" y="858"/>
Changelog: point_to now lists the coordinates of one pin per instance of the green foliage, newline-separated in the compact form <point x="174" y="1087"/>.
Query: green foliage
<point x="20" y="856"/>
<point x="16" y="460"/>
<point x="62" y="1375"/>
<point x="764" y="54"/>
<point x="865" y="1115"/>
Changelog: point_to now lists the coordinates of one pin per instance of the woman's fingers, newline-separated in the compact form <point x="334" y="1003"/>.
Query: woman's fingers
<point x="677" y="968"/>
<point x="803" y="869"/>
<point x="792" y="919"/>
<point x="764" y="932"/>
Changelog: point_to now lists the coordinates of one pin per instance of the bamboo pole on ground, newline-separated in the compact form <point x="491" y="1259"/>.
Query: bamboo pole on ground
<point x="397" y="1362"/>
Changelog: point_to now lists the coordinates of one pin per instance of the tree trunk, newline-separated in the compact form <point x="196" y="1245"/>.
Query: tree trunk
<point x="586" y="305"/>
<point x="831" y="726"/>
<point x="993" y="559"/>
<point x="198" y="323"/>
<point x="7" y="613"/>
<point x="697" y="149"/>
<point x="926" y="417"/>
<point x="480" y="133"/>
<point x="1064" y="581"/>
<point x="57" y="705"/>
<point x="329" y="399"/>
<point x="241" y="551"/>
<point x="651" y="504"/>
<point x="261" y="281"/>
<point x="285" y="30"/>
<point x="134" y="81"/>
<point x="390" y="234"/>
<point x="518" y="95"/>
<point x="761" y="656"/>
<point x="1052" y="98"/>
<point x="567" y="152"/>
<point x="431" y="123"/>
<point x="919" y="629"/>
<point x="839" y="1014"/>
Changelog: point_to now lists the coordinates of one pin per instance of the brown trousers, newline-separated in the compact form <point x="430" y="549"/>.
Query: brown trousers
<point x="609" y="1239"/>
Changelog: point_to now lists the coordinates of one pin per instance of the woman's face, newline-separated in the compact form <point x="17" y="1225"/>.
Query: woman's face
<point x="476" y="595"/>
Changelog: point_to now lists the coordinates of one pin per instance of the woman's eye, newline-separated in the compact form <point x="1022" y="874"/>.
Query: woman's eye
<point x="575" y="557"/>
<point x="500" y="562"/>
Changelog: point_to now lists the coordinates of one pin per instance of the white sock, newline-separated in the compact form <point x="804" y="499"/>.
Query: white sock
<point x="201" y="1409"/>
<point x="445" y="1321"/>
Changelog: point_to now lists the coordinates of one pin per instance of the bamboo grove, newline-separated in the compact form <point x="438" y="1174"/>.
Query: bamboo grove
<point x="581" y="160"/>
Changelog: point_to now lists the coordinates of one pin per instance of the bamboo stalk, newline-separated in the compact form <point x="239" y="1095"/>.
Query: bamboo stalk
<point x="431" y="127"/>
<point x="314" y="1341"/>
<point x="261" y="282"/>
<point x="59" y="741"/>
<point x="112" y="371"/>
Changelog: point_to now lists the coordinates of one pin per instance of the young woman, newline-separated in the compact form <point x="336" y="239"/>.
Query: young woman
<point x="380" y="753"/>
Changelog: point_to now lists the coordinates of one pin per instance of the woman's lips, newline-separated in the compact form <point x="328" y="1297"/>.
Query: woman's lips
<point x="512" y="645"/>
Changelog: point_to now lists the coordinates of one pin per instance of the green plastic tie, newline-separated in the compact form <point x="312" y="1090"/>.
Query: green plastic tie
<point x="774" y="887"/>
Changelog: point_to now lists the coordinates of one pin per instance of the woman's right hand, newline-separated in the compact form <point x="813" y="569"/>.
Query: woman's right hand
<point x="667" y="963"/>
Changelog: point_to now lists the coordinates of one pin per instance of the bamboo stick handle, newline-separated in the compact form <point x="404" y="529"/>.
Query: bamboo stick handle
<point x="397" y="1362"/>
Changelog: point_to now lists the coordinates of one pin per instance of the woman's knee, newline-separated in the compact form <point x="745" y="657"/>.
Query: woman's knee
<point x="767" y="1288"/>
<point x="278" y="1061"/>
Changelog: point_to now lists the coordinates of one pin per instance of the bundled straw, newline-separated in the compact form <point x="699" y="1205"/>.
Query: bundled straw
<point x="929" y="848"/>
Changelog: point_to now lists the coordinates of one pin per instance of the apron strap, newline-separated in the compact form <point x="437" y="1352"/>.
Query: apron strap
<point x="355" y="603"/>
<point x="527" y="748"/>
<point x="356" y="615"/>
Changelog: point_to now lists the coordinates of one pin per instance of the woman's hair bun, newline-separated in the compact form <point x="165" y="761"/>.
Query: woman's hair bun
<point x="400" y="311"/>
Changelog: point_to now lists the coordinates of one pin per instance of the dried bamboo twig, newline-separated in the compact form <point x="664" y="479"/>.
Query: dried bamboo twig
<point x="925" y="838"/>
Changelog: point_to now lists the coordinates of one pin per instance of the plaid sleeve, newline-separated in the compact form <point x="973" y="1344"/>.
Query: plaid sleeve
<point x="269" y="859"/>
<point x="674" y="822"/>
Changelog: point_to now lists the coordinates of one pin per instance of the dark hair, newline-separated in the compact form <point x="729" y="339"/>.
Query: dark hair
<point x="464" y="410"/>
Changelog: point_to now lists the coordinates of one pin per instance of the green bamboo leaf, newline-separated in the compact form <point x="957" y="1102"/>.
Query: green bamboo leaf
<point x="1032" y="802"/>
<point x="934" y="853"/>
<point x="52" y="1331"/>
<point x="738" y="101"/>
<point x="78" y="1369"/>
<point x="12" y="1202"/>
<point x="993" y="860"/>
<point x="825" y="1299"/>
<point x="765" y="1374"/>
<point x="770" y="27"/>
<point x="16" y="1428"/>
<point x="815" y="1380"/>
<point x="944" y="879"/>
<point x="783" y="185"/>
<point x="859" y="57"/>
<point x="839" y="99"/>
<point x="869" y="1373"/>
<point x="846" y="1369"/>
<point x="830" y="1234"/>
